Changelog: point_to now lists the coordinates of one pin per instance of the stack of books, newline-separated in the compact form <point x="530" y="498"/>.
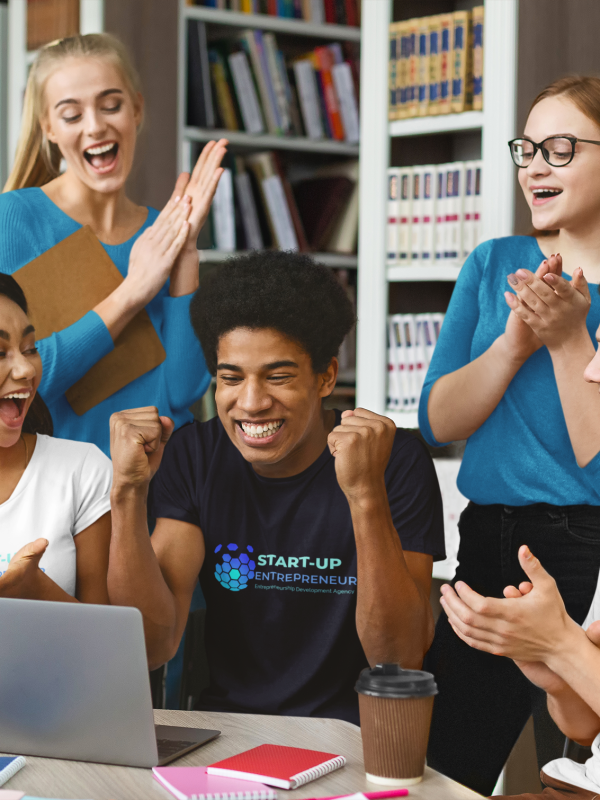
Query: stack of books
<point x="246" y="83"/>
<point x="411" y="342"/>
<point x="339" y="12"/>
<point x="436" y="64"/>
<point x="433" y="213"/>
<point x="256" y="207"/>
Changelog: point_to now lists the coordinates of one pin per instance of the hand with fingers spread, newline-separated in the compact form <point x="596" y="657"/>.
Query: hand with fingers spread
<point x="554" y="308"/>
<point x="521" y="339"/>
<point x="137" y="440"/>
<point x="24" y="579"/>
<point x="200" y="187"/>
<point x="362" y="445"/>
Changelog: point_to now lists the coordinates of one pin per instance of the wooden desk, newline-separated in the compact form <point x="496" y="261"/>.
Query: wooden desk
<point x="47" y="777"/>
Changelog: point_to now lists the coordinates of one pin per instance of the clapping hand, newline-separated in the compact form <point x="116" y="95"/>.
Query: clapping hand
<point x="23" y="577"/>
<point x="554" y="308"/>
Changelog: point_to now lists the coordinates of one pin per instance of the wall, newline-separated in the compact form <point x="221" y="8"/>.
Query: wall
<point x="149" y="29"/>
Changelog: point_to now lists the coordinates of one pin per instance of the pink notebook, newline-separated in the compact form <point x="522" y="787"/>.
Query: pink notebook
<point x="193" y="783"/>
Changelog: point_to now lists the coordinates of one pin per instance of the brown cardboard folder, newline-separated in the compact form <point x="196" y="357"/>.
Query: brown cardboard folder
<point x="61" y="286"/>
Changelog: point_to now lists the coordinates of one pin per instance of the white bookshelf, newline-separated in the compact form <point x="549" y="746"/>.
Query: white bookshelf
<point x="333" y="260"/>
<point x="91" y="20"/>
<point x="266" y="141"/>
<point x="497" y="125"/>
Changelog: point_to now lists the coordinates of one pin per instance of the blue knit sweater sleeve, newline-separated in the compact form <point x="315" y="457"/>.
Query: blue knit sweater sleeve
<point x="453" y="348"/>
<point x="69" y="354"/>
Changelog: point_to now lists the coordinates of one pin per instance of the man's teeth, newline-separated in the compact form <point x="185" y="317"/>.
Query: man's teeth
<point x="541" y="193"/>
<point x="16" y="396"/>
<point x="97" y="151"/>
<point x="261" y="431"/>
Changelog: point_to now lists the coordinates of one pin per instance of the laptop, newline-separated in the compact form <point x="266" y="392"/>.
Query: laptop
<point x="74" y="684"/>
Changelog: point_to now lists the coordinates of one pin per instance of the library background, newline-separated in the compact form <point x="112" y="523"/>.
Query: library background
<point x="370" y="134"/>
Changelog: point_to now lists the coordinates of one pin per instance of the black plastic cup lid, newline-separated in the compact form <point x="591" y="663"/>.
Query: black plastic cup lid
<point x="390" y="680"/>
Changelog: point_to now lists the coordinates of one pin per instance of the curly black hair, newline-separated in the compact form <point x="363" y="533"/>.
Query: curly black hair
<point x="281" y="290"/>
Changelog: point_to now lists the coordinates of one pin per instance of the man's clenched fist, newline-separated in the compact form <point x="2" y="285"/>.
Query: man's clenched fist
<point x="137" y="440"/>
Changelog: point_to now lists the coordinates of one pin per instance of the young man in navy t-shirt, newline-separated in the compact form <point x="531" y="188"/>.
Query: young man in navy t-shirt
<point x="313" y="532"/>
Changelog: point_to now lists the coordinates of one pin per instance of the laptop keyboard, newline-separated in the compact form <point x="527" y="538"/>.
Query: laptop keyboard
<point x="168" y="747"/>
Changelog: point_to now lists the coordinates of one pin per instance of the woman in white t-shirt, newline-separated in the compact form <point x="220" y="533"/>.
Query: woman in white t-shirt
<point x="54" y="493"/>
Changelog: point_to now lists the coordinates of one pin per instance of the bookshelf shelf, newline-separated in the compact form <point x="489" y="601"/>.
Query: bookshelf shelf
<point x="267" y="22"/>
<point x="445" y="272"/>
<point x="404" y="419"/>
<point x="334" y="260"/>
<point x="446" y="123"/>
<point x="266" y="141"/>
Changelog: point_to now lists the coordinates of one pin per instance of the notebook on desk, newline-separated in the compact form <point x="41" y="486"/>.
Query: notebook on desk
<point x="194" y="783"/>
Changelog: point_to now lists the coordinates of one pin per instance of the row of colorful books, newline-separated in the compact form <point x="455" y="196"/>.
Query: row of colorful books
<point x="256" y="207"/>
<point x="339" y="12"/>
<point x="436" y="64"/>
<point x="433" y="212"/>
<point x="411" y="342"/>
<point x="245" y="83"/>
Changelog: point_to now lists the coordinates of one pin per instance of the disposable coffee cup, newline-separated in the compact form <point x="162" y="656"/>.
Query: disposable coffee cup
<point x="395" y="715"/>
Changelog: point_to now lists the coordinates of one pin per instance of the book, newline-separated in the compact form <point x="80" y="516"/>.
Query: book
<point x="477" y="213"/>
<point x="275" y="200"/>
<point x="478" y="20"/>
<point x="402" y="58"/>
<point x="308" y="92"/>
<point x="344" y="87"/>
<point x="445" y="93"/>
<point x="320" y="201"/>
<point x="404" y="235"/>
<point x="416" y="222"/>
<point x="412" y="71"/>
<point x="440" y="213"/>
<point x="435" y="35"/>
<point x="224" y="97"/>
<point x="324" y="64"/>
<point x="252" y="42"/>
<point x="392" y="70"/>
<point x="245" y="92"/>
<point x="277" y="765"/>
<point x="194" y="783"/>
<point x="223" y="214"/>
<point x="200" y="109"/>
<point x="278" y="81"/>
<point x="9" y="766"/>
<point x="461" y="62"/>
<point x="468" y="242"/>
<point x="393" y="214"/>
<point x="453" y="211"/>
<point x="247" y="205"/>
<point x="423" y="80"/>
<point x="344" y="234"/>
<point x="428" y="202"/>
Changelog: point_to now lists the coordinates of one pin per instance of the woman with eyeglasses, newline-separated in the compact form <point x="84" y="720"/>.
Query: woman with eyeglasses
<point x="493" y="382"/>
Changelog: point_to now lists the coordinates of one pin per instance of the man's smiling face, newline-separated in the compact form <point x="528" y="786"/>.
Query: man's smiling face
<point x="268" y="396"/>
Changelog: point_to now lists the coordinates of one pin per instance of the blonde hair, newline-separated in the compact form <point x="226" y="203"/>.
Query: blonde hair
<point x="37" y="160"/>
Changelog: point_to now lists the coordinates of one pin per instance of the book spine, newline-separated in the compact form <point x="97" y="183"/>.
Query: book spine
<point x="394" y="388"/>
<point x="329" y="11"/>
<point x="417" y="202"/>
<point x="401" y="361"/>
<point x="423" y="67"/>
<point x="440" y="213"/>
<point x="392" y="69"/>
<point x="279" y="213"/>
<point x="270" y="49"/>
<point x="453" y="212"/>
<point x="205" y="72"/>
<point x="404" y="248"/>
<point x="223" y="213"/>
<point x="308" y="92"/>
<point x="246" y="93"/>
<point x="294" y="214"/>
<point x="434" y="65"/>
<point x="445" y="104"/>
<point x="344" y="87"/>
<point x="340" y="12"/>
<point x="351" y="13"/>
<point x="477" y="215"/>
<point x="427" y="255"/>
<point x="225" y="103"/>
<point x="325" y="63"/>
<point x="402" y="87"/>
<point x="393" y="213"/>
<point x="317" y="12"/>
<point x="478" y="17"/>
<point x="412" y="100"/>
<point x="11" y="770"/>
<point x="250" y="223"/>
<point x="459" y="61"/>
<point x="307" y="10"/>
<point x="253" y="41"/>
<point x="469" y="209"/>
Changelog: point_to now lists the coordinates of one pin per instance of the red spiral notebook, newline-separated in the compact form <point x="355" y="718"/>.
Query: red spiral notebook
<point x="276" y="765"/>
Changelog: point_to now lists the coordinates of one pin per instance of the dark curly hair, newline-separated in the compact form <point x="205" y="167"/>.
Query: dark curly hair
<point x="285" y="291"/>
<point x="38" y="419"/>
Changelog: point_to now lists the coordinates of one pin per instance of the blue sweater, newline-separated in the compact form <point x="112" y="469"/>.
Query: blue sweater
<point x="522" y="453"/>
<point x="30" y="223"/>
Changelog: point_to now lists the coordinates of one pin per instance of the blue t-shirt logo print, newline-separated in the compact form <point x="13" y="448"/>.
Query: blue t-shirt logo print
<point x="235" y="569"/>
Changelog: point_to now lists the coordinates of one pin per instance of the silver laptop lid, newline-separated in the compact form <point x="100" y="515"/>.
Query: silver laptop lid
<point x="74" y="683"/>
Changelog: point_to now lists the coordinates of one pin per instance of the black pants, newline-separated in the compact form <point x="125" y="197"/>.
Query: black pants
<point x="484" y="700"/>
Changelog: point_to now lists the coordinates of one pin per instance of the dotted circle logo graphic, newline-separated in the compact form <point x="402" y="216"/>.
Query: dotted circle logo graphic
<point x="235" y="568"/>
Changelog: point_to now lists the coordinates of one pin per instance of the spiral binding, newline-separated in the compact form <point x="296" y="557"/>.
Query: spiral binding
<point x="317" y="772"/>
<point x="7" y="773"/>
<point x="262" y="795"/>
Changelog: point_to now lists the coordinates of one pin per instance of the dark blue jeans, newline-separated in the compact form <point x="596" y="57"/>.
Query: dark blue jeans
<point x="484" y="700"/>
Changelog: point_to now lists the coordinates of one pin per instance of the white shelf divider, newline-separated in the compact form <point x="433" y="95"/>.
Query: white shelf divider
<point x="297" y="27"/>
<point x="445" y="123"/>
<point x="271" y="142"/>
<point x="334" y="260"/>
<point x="403" y="419"/>
<point x="438" y="272"/>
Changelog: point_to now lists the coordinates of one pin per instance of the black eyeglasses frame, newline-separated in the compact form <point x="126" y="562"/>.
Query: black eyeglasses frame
<point x="538" y="146"/>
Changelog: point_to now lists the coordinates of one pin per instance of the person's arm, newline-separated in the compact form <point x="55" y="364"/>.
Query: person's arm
<point x="201" y="189"/>
<point x="155" y="574"/>
<point x="393" y="615"/>
<point x="92" y="547"/>
<point x="25" y="580"/>
<point x="556" y="310"/>
<point x="485" y="379"/>
<point x="532" y="627"/>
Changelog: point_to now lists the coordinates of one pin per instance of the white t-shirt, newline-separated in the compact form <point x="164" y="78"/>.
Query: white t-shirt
<point x="586" y="776"/>
<point x="65" y="488"/>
